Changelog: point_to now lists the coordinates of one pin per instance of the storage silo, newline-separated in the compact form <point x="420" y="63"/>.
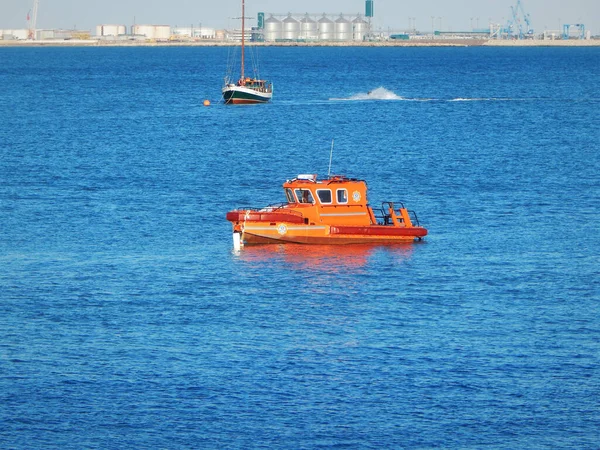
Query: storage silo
<point x="291" y="28"/>
<point x="359" y="29"/>
<point x="326" y="29"/>
<point x="143" y="30"/>
<point x="162" y="32"/>
<point x="110" y="30"/>
<point x="343" y="29"/>
<point x="308" y="28"/>
<point x="272" y="29"/>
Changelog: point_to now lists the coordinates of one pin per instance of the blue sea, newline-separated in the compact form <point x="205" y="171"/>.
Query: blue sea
<point x="127" y="320"/>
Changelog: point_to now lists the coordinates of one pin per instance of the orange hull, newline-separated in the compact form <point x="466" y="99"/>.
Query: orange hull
<point x="253" y="237"/>
<point x="380" y="231"/>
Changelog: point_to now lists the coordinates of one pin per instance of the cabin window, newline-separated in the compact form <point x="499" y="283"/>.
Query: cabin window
<point x="304" y="196"/>
<point x="342" y="196"/>
<point x="290" y="195"/>
<point x="324" y="195"/>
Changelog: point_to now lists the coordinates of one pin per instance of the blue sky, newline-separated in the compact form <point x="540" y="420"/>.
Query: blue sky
<point x="389" y="14"/>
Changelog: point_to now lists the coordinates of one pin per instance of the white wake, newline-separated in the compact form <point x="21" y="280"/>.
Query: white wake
<point x="380" y="93"/>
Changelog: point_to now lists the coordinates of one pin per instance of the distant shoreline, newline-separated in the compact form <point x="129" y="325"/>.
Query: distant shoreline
<point x="211" y="43"/>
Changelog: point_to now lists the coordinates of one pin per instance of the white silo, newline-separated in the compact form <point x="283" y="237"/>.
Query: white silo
<point x="110" y="30"/>
<point x="143" y="30"/>
<point x="343" y="29"/>
<point x="291" y="28"/>
<point x="308" y="28"/>
<point x="326" y="29"/>
<point x="359" y="29"/>
<point x="273" y="30"/>
<point x="162" y="32"/>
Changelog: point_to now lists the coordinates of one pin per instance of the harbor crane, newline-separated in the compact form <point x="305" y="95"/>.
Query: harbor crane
<point x="567" y="30"/>
<point x="519" y="25"/>
<point x="32" y="20"/>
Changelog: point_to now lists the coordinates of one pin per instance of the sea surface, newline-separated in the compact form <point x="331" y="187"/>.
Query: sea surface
<point x="127" y="320"/>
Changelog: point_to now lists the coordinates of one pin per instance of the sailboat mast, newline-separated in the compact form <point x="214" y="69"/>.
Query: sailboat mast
<point x="243" y="33"/>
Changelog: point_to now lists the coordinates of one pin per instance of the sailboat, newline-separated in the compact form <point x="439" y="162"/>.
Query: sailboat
<point x="246" y="89"/>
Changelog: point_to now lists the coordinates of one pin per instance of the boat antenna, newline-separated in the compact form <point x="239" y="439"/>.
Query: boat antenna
<point x="330" y="156"/>
<point x="243" y="36"/>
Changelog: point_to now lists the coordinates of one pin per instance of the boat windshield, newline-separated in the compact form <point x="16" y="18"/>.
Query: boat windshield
<point x="304" y="196"/>
<point x="289" y="195"/>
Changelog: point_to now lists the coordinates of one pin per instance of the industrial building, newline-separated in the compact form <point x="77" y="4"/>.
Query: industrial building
<point x="197" y="33"/>
<point x="43" y="34"/>
<point x="17" y="34"/>
<point x="307" y="27"/>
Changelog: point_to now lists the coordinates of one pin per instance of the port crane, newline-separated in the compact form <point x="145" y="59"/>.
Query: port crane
<point x="519" y="25"/>
<point x="32" y="20"/>
<point x="567" y="30"/>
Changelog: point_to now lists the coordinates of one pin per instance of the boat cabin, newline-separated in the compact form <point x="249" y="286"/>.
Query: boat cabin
<point x="255" y="84"/>
<point x="335" y="200"/>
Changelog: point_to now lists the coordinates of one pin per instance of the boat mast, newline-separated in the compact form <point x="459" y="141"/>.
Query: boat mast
<point x="330" y="156"/>
<point x="243" y="39"/>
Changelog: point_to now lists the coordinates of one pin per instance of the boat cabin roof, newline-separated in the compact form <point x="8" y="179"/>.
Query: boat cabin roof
<point x="312" y="178"/>
<point x="336" y="189"/>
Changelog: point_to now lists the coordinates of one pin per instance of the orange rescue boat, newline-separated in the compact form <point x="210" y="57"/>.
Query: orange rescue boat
<point x="329" y="211"/>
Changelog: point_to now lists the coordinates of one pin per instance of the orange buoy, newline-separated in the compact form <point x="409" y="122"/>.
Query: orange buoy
<point x="206" y="102"/>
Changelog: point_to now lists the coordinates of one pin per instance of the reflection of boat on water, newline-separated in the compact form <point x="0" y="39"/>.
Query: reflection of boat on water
<point x="326" y="258"/>
<point x="330" y="211"/>
<point x="246" y="89"/>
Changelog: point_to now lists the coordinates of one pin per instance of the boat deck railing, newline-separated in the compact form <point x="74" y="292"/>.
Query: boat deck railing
<point x="383" y="216"/>
<point x="275" y="207"/>
<point x="414" y="218"/>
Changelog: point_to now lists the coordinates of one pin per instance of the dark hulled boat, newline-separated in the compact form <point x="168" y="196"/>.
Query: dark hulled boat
<point x="246" y="90"/>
